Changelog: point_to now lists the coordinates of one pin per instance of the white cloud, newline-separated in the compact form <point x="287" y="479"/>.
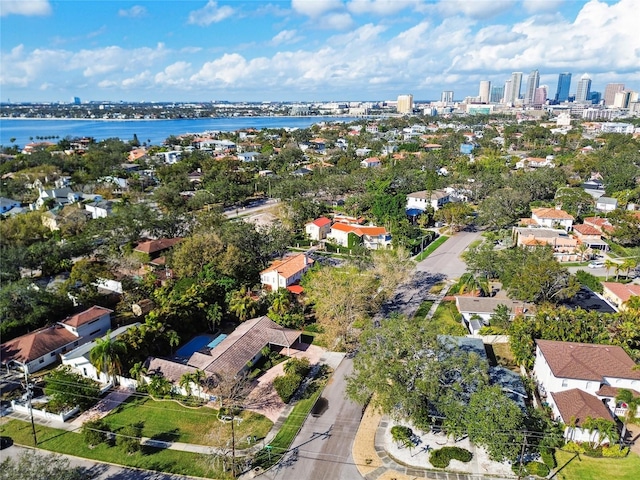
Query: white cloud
<point x="315" y="8"/>
<point x="210" y="13"/>
<point x="175" y="74"/>
<point x="534" y="6"/>
<point x="25" y="7"/>
<point x="479" y="9"/>
<point x="381" y="7"/>
<point x="136" y="11"/>
<point x="285" y="37"/>
<point x="334" y="21"/>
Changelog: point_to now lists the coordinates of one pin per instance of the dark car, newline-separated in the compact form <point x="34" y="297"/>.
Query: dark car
<point x="5" y="442"/>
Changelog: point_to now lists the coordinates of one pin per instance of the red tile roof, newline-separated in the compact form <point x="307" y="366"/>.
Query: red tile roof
<point x="622" y="291"/>
<point x="359" y="230"/>
<point x="36" y="344"/>
<point x="87" y="316"/>
<point x="583" y="229"/>
<point x="321" y="222"/>
<point x="576" y="405"/>
<point x="586" y="361"/>
<point x="153" y="246"/>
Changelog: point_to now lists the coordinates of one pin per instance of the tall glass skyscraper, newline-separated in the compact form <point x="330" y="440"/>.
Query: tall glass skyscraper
<point x="532" y="83"/>
<point x="583" y="93"/>
<point x="564" y="84"/>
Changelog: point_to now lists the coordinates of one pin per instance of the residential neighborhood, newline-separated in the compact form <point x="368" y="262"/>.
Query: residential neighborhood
<point x="407" y="274"/>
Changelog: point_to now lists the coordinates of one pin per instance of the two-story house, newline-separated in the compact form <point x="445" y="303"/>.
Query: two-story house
<point x="552" y="218"/>
<point x="286" y="272"/>
<point x="347" y="235"/>
<point x="421" y="200"/>
<point x="318" y="229"/>
<point x="580" y="380"/>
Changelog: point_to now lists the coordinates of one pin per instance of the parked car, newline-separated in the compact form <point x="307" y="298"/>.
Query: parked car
<point x="596" y="264"/>
<point x="5" y="442"/>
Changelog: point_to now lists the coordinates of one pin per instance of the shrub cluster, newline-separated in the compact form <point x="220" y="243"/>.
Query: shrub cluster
<point x="287" y="385"/>
<point x="129" y="438"/>
<point x="548" y="457"/>
<point x="537" y="469"/>
<point x="402" y="434"/>
<point x="441" y="458"/>
<point x="615" y="452"/>
<point x="95" y="432"/>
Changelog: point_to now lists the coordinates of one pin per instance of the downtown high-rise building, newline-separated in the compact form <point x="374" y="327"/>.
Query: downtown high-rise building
<point x="405" y="104"/>
<point x="447" y="96"/>
<point x="533" y="82"/>
<point x="485" y="91"/>
<point x="540" y="96"/>
<point x="564" y="85"/>
<point x="512" y="88"/>
<point x="610" y="92"/>
<point x="497" y="94"/>
<point x="583" y="93"/>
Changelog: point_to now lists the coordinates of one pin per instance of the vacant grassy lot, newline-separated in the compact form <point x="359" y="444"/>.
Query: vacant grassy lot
<point x="446" y="320"/>
<point x="587" y="468"/>
<point x="71" y="443"/>
<point x="170" y="421"/>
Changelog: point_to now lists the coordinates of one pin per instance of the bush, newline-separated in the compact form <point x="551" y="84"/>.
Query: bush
<point x="574" y="447"/>
<point x="129" y="438"/>
<point x="590" y="281"/>
<point x="537" y="468"/>
<point x="287" y="385"/>
<point x="615" y="452"/>
<point x="548" y="458"/>
<point x="298" y="366"/>
<point x="95" y="432"/>
<point x="402" y="434"/>
<point x="441" y="458"/>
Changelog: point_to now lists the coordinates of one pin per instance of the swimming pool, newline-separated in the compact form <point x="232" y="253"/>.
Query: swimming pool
<point x="195" y="344"/>
<point x="216" y="341"/>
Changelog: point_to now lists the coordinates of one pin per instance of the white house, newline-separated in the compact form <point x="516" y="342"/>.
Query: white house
<point x="59" y="196"/>
<point x="41" y="348"/>
<point x="349" y="236"/>
<point x="371" y="162"/>
<point x="285" y="272"/>
<point x="477" y="311"/>
<point x="552" y="218"/>
<point x="318" y="229"/>
<point x="248" y="156"/>
<point x="571" y="375"/>
<point x="99" y="209"/>
<point x="606" y="204"/>
<point x="420" y="200"/>
<point x="78" y="358"/>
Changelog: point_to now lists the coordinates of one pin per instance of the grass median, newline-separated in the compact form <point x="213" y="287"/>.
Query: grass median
<point x="431" y="248"/>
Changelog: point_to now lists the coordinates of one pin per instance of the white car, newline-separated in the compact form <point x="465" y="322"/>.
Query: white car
<point x="596" y="264"/>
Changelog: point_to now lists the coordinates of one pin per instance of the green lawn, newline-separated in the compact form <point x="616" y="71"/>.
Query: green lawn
<point x="423" y="309"/>
<point x="445" y="320"/>
<point x="588" y="468"/>
<point x="431" y="248"/>
<point x="61" y="441"/>
<point x="168" y="420"/>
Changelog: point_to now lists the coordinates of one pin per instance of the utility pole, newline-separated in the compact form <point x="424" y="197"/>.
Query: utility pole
<point x="524" y="444"/>
<point x="29" y="388"/>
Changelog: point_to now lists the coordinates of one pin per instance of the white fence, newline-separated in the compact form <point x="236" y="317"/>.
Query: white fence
<point x="60" y="417"/>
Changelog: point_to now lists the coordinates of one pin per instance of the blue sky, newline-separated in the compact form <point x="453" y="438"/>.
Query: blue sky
<point x="306" y="50"/>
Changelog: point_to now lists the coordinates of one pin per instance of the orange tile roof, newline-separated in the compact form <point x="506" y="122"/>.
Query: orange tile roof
<point x="86" y="316"/>
<point x="552" y="213"/>
<point x="583" y="229"/>
<point x="36" y="344"/>
<point x="290" y="266"/>
<point x="321" y="222"/>
<point x="622" y="291"/>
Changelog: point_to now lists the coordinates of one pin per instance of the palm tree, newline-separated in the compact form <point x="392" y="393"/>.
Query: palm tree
<point x="608" y="265"/>
<point x="633" y="303"/>
<point x="242" y="305"/>
<point x="107" y="356"/>
<point x="138" y="371"/>
<point x="473" y="284"/>
<point x="174" y="339"/>
<point x="582" y="249"/>
<point x="185" y="382"/>
<point x="626" y="397"/>
<point x="628" y="265"/>
<point x="281" y="302"/>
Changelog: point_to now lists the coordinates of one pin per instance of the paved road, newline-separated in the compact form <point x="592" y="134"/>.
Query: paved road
<point x="99" y="471"/>
<point x="443" y="264"/>
<point x="324" y="443"/>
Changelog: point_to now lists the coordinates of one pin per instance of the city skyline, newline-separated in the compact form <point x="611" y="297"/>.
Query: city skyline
<point x="308" y="50"/>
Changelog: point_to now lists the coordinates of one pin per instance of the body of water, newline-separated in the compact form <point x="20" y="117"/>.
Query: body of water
<point x="151" y="131"/>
